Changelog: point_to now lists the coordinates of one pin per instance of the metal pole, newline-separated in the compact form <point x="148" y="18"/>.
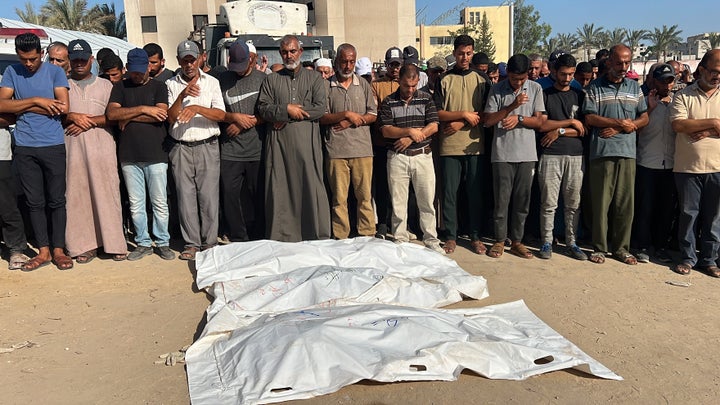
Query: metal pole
<point x="512" y="28"/>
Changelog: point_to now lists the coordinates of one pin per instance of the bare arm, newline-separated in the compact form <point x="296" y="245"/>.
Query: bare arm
<point x="142" y="113"/>
<point x="39" y="105"/>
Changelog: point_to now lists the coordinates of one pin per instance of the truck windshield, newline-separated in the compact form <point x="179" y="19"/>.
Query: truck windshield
<point x="273" y="55"/>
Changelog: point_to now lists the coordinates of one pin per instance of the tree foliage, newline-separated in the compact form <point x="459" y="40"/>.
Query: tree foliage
<point x="713" y="40"/>
<point x="587" y="36"/>
<point x="665" y="38"/>
<point x="76" y="15"/>
<point x="635" y="37"/>
<point x="481" y="33"/>
<point x="528" y="31"/>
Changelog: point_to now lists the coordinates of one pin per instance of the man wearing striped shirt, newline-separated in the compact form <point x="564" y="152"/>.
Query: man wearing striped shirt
<point x="408" y="118"/>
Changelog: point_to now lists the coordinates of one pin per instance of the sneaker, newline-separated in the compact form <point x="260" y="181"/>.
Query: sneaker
<point x="642" y="256"/>
<point x="139" y="253"/>
<point x="577" y="253"/>
<point x="545" y="251"/>
<point x="435" y="247"/>
<point x="663" y="256"/>
<point x="165" y="253"/>
<point x="412" y="236"/>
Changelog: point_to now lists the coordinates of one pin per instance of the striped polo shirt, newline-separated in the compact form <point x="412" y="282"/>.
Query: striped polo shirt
<point x="417" y="113"/>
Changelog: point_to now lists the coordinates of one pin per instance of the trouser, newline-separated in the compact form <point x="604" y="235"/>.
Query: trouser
<point x="381" y="193"/>
<point x="560" y="175"/>
<point x="42" y="177"/>
<point x="512" y="180"/>
<point x="341" y="174"/>
<point x="419" y="169"/>
<point x="656" y="208"/>
<point x="13" y="229"/>
<point x="612" y="186"/>
<point x="699" y="197"/>
<point x="137" y="175"/>
<point x="241" y="202"/>
<point x="196" y="170"/>
<point x="453" y="168"/>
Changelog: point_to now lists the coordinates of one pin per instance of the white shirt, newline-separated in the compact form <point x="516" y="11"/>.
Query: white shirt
<point x="199" y="127"/>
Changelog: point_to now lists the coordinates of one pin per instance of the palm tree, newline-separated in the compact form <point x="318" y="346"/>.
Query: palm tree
<point x="113" y="23"/>
<point x="664" y="39"/>
<point x="549" y="45"/>
<point x="567" y="42"/>
<point x="713" y="40"/>
<point x="616" y="36"/>
<point x="30" y="15"/>
<point x="635" y="37"/>
<point x="73" y="15"/>
<point x="587" y="37"/>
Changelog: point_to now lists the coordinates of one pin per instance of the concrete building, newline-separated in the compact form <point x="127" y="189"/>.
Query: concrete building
<point x="371" y="25"/>
<point x="697" y="45"/>
<point x="435" y="40"/>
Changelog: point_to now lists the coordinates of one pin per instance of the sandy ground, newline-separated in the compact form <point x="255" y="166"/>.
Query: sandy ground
<point x="98" y="328"/>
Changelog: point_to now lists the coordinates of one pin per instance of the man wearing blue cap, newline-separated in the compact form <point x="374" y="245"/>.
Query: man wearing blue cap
<point x="139" y="105"/>
<point x="196" y="108"/>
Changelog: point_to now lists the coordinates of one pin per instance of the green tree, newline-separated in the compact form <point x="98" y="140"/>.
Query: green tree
<point x="73" y="15"/>
<point x="114" y="23"/>
<point x="567" y="42"/>
<point x="481" y="33"/>
<point x="614" y="37"/>
<point x="528" y="31"/>
<point x="587" y="37"/>
<point x="549" y="45"/>
<point x="665" y="38"/>
<point x="713" y="40"/>
<point x="30" y="15"/>
<point x="635" y="37"/>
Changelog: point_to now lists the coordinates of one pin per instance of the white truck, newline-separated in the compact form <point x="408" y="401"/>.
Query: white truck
<point x="262" y="24"/>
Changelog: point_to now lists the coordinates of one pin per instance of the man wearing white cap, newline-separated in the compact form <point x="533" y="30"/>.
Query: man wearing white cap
<point x="196" y="107"/>
<point x="324" y="67"/>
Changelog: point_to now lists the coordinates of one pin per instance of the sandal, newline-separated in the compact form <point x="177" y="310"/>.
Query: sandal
<point x="597" y="257"/>
<point x="189" y="253"/>
<point x="712" y="271"/>
<point x="478" y="247"/>
<point x="119" y="257"/>
<point x="34" y="264"/>
<point x="17" y="260"/>
<point x="450" y="246"/>
<point x="627" y="258"/>
<point x="520" y="250"/>
<point x="683" y="269"/>
<point x="497" y="249"/>
<point x="86" y="257"/>
<point x="63" y="262"/>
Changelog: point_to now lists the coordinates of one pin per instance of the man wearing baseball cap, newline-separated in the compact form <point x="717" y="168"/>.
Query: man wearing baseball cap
<point x="196" y="107"/>
<point x="140" y="105"/>
<point x="241" y="145"/>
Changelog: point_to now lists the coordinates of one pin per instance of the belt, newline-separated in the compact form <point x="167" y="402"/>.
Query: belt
<point x="197" y="143"/>
<point x="417" y="151"/>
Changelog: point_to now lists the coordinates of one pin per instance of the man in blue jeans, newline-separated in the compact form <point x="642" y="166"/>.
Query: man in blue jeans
<point x="140" y="106"/>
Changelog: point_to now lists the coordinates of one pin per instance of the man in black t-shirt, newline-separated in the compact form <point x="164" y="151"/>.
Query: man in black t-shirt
<point x="560" y="169"/>
<point x="140" y="105"/>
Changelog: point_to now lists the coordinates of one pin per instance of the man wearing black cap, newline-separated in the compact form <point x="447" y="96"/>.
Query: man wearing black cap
<point x="93" y="185"/>
<point x="139" y="105"/>
<point x="655" y="196"/>
<point x="196" y="107"/>
<point x="548" y="81"/>
<point x="480" y="61"/>
<point x="412" y="57"/>
<point x="241" y="145"/>
<point x="37" y="93"/>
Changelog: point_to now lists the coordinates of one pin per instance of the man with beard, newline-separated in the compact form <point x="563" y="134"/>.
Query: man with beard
<point x="614" y="110"/>
<point x="139" y="105"/>
<point x="351" y="108"/>
<point x="93" y="186"/>
<point x="37" y="93"/>
<point x="196" y="107"/>
<point x="695" y="116"/>
<point x="241" y="145"/>
<point x="157" y="63"/>
<point x="292" y="101"/>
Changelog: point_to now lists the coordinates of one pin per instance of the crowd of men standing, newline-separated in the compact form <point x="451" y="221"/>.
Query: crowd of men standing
<point x="297" y="154"/>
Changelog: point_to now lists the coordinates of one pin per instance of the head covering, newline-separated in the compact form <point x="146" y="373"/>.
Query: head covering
<point x="631" y="74"/>
<point x="555" y="55"/>
<point x="437" y="63"/>
<point x="450" y="61"/>
<point x="324" y="62"/>
<point x="239" y="57"/>
<point x="393" y="54"/>
<point x="137" y="60"/>
<point x="502" y="69"/>
<point x="480" y="58"/>
<point x="251" y="48"/>
<point x="186" y="48"/>
<point x="79" y="49"/>
<point x="410" y="56"/>
<point x="363" y="66"/>
<point x="663" y="72"/>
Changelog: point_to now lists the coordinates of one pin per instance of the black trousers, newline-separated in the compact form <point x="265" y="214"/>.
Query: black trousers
<point x="241" y="200"/>
<point x="42" y="176"/>
<point x="13" y="229"/>
<point x="512" y="180"/>
<point x="656" y="208"/>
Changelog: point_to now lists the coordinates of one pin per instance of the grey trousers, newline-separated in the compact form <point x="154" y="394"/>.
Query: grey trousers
<point x="511" y="180"/>
<point x="196" y="170"/>
<point x="559" y="174"/>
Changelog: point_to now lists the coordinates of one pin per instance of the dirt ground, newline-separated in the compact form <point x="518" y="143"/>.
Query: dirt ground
<point x="97" y="330"/>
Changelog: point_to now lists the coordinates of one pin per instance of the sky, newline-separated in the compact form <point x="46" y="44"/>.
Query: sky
<point x="566" y="16"/>
<point x="8" y="6"/>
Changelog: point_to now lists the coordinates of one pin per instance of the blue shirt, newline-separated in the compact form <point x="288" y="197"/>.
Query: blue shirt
<point x="32" y="129"/>
<point x="547" y="82"/>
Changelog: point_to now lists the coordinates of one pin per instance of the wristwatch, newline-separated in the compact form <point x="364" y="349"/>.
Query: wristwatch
<point x="561" y="131"/>
<point x="520" y="119"/>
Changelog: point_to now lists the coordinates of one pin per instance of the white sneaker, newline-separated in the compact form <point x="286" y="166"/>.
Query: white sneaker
<point x="435" y="247"/>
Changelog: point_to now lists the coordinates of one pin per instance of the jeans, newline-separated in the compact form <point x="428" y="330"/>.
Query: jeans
<point x="699" y="196"/>
<point x="137" y="175"/>
<point x="559" y="175"/>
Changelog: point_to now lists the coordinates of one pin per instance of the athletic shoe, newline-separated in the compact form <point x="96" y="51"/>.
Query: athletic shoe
<point x="642" y="256"/>
<point x="139" y="253"/>
<point x="663" y="256"/>
<point x="577" y="253"/>
<point x="165" y="253"/>
<point x="435" y="247"/>
<point x="545" y="251"/>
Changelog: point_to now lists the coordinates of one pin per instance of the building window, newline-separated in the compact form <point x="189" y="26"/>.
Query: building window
<point x="441" y="40"/>
<point x="149" y="24"/>
<point x="199" y="21"/>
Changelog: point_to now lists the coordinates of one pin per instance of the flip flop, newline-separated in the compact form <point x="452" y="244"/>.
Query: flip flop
<point x="189" y="253"/>
<point x="63" y="262"/>
<point x="597" y="257"/>
<point x="712" y="271"/>
<point x="520" y="250"/>
<point x="450" y="246"/>
<point x="497" y="250"/>
<point x="86" y="257"/>
<point x="682" y="269"/>
<point x="34" y="264"/>
<point x="119" y="257"/>
<point x="16" y="261"/>
<point x="478" y="247"/>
